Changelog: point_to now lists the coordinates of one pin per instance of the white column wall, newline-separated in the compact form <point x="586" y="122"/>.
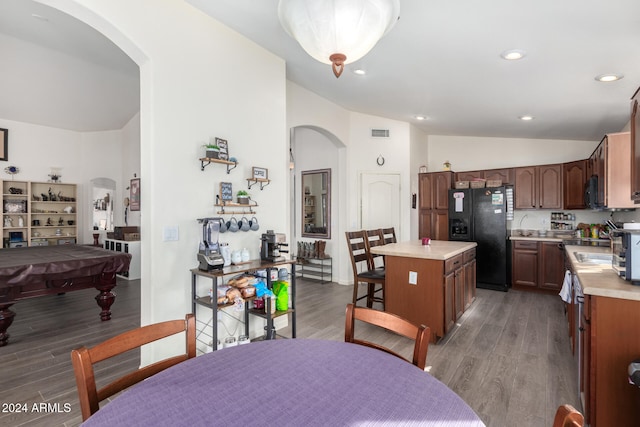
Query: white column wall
<point x="198" y="79"/>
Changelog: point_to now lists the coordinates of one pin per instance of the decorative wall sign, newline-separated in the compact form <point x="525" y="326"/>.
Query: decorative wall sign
<point x="224" y="148"/>
<point x="134" y="195"/>
<point x="4" y="144"/>
<point x="226" y="192"/>
<point x="260" y="173"/>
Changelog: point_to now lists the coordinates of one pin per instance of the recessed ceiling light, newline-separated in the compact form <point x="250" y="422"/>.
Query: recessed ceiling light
<point x="526" y="118"/>
<point x="609" y="77"/>
<point x="513" y="54"/>
<point x="420" y="117"/>
<point x="359" y="71"/>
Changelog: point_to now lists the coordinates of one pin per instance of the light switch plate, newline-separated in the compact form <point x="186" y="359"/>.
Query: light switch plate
<point x="413" y="277"/>
<point x="170" y="233"/>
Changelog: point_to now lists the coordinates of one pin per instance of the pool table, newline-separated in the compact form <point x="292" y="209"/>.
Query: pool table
<point x="45" y="270"/>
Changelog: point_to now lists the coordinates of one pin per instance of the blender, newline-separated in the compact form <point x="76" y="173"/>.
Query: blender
<point x="209" y="255"/>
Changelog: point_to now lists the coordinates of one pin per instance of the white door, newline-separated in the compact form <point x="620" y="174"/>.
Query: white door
<point x="380" y="202"/>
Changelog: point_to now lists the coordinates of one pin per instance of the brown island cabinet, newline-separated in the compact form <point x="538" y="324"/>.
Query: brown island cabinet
<point x="430" y="284"/>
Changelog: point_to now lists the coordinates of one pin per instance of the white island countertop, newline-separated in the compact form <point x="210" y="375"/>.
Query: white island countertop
<point x="437" y="249"/>
<point x="601" y="279"/>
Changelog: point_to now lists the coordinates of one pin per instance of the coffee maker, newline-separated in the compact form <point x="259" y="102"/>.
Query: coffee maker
<point x="272" y="244"/>
<point x="209" y="255"/>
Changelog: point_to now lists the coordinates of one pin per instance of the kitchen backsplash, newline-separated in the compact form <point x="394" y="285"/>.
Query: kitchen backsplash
<point x="540" y="219"/>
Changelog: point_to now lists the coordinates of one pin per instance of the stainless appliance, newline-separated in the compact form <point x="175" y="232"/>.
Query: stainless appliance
<point x="271" y="247"/>
<point x="209" y="255"/>
<point x="625" y="245"/>
<point x="480" y="215"/>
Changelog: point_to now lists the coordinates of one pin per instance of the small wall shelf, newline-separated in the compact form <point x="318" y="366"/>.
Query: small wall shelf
<point x="206" y="161"/>
<point x="253" y="181"/>
<point x="246" y="209"/>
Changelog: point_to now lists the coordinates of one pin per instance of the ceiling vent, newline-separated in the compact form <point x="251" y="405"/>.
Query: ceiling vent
<point x="379" y="133"/>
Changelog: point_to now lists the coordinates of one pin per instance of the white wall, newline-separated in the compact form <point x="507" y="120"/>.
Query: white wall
<point x="475" y="153"/>
<point x="418" y="157"/>
<point x="198" y="80"/>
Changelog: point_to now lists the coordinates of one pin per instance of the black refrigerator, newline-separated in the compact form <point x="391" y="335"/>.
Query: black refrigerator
<point x="480" y="215"/>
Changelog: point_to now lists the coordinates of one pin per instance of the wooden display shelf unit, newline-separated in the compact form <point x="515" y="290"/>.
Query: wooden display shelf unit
<point x="206" y="161"/>
<point x="244" y="208"/>
<point x="253" y="181"/>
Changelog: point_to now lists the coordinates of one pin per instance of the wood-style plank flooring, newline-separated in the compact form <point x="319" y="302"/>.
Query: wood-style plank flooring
<point x="508" y="357"/>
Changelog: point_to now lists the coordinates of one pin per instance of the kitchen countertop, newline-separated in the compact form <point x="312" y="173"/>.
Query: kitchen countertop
<point x="438" y="249"/>
<point x="598" y="279"/>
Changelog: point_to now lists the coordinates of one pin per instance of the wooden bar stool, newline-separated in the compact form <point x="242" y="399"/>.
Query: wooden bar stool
<point x="362" y="273"/>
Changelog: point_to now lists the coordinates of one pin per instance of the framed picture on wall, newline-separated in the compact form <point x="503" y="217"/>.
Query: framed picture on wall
<point x="4" y="144"/>
<point x="224" y="148"/>
<point x="260" y="173"/>
<point x="134" y="194"/>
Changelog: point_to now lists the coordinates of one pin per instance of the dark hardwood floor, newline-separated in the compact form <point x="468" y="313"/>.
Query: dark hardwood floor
<point x="508" y="357"/>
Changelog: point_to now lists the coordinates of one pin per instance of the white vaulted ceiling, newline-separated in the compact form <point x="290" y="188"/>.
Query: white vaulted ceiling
<point x="441" y="60"/>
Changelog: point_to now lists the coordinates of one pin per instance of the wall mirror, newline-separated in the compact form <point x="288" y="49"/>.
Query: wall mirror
<point x="316" y="203"/>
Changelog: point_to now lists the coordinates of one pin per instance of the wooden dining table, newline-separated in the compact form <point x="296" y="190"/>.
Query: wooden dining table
<point x="289" y="382"/>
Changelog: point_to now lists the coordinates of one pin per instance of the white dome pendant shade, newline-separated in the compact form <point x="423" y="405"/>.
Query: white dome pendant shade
<point x="338" y="32"/>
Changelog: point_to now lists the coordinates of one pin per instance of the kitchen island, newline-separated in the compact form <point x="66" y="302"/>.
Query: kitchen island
<point x="429" y="284"/>
<point x="607" y="338"/>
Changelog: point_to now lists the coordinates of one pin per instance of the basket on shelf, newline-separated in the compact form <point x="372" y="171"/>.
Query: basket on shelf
<point x="461" y="185"/>
<point x="477" y="183"/>
<point x="494" y="183"/>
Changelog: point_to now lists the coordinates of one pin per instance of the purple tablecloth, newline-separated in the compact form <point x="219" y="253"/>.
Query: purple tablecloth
<point x="295" y="382"/>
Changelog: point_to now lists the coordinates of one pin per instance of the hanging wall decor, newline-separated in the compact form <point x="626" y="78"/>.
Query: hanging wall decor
<point x="134" y="195"/>
<point x="4" y="144"/>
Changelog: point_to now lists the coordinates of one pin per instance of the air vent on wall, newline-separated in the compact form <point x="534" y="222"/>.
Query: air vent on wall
<point x="379" y="133"/>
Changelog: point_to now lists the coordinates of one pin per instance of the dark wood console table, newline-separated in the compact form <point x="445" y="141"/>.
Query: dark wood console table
<point x="46" y="270"/>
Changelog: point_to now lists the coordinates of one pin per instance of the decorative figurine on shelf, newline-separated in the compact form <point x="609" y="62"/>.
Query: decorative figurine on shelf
<point x="49" y="222"/>
<point x="55" y="176"/>
<point x="52" y="196"/>
<point x="12" y="170"/>
<point x="8" y="221"/>
<point x="60" y="221"/>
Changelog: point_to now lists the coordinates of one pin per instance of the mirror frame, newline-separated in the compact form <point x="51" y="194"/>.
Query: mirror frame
<point x="326" y="235"/>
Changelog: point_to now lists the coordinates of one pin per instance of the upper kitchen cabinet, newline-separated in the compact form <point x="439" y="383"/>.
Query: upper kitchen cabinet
<point x="469" y="175"/>
<point x="614" y="170"/>
<point x="434" y="204"/>
<point x="504" y="175"/>
<point x="635" y="147"/>
<point x="538" y="187"/>
<point x="575" y="179"/>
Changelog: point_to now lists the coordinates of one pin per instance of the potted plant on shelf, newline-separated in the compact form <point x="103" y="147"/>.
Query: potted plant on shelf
<point x="243" y="197"/>
<point x="213" y="151"/>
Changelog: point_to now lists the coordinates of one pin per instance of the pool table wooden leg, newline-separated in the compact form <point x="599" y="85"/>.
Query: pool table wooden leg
<point x="106" y="298"/>
<point x="6" y="319"/>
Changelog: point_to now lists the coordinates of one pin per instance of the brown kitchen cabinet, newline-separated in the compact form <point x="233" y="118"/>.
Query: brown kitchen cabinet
<point x="610" y="326"/>
<point x="469" y="277"/>
<point x="504" y="175"/>
<point x="610" y="162"/>
<point x="538" y="187"/>
<point x="537" y="265"/>
<point x="575" y="180"/>
<point x="433" y="219"/>
<point x="635" y="147"/>
<point x="438" y="299"/>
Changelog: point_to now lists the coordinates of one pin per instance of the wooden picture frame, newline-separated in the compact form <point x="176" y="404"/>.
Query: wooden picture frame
<point x="260" y="173"/>
<point x="4" y="144"/>
<point x="224" y="148"/>
<point x="226" y="192"/>
<point x="134" y="194"/>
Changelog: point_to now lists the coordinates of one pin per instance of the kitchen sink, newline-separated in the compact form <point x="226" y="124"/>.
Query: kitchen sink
<point x="593" y="258"/>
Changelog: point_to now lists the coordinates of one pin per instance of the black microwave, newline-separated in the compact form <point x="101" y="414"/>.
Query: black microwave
<point x="591" y="193"/>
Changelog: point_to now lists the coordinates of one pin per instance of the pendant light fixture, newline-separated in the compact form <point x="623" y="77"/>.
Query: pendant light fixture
<point x="338" y="32"/>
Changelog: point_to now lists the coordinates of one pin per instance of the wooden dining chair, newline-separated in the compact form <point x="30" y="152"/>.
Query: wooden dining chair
<point x="568" y="416"/>
<point x="362" y="273"/>
<point x="84" y="358"/>
<point x="420" y="334"/>
<point x="389" y="235"/>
